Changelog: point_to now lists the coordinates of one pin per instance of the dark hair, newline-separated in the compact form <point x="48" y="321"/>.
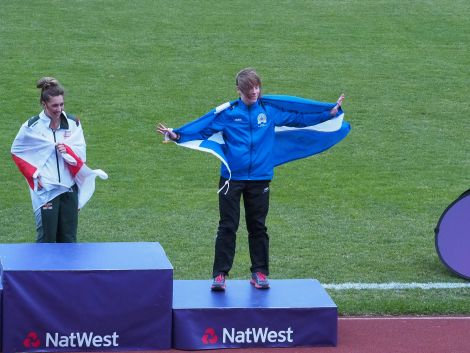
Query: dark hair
<point x="50" y="87"/>
<point x="247" y="79"/>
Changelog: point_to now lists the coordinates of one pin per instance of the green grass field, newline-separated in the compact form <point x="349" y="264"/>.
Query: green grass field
<point x="365" y="211"/>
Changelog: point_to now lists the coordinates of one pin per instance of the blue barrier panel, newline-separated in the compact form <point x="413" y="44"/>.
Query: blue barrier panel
<point x="292" y="313"/>
<point x="1" y="311"/>
<point x="86" y="297"/>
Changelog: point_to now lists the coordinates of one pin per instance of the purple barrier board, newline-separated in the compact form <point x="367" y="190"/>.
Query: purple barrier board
<point x="453" y="236"/>
<point x="86" y="297"/>
<point x="292" y="313"/>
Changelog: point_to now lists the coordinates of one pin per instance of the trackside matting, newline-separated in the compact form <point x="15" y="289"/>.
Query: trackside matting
<point x="86" y="297"/>
<point x="291" y="313"/>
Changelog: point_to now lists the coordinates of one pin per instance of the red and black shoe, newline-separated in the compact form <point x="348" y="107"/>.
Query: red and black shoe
<point x="259" y="280"/>
<point x="218" y="284"/>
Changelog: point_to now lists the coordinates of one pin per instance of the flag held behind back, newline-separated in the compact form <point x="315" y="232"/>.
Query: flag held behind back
<point x="290" y="143"/>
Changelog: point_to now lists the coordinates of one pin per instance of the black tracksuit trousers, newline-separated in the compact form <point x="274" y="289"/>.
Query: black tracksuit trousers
<point x="256" y="201"/>
<point x="58" y="219"/>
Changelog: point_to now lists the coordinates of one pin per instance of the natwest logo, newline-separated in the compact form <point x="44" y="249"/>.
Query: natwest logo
<point x="72" y="340"/>
<point x="209" y="336"/>
<point x="31" y="340"/>
<point x="249" y="335"/>
<point x="81" y="339"/>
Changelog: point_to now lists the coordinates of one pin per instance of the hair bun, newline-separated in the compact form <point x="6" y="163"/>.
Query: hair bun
<point x="47" y="82"/>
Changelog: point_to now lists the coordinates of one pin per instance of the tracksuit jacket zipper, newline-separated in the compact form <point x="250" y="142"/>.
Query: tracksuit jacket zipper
<point x="251" y="143"/>
<point x="56" y="157"/>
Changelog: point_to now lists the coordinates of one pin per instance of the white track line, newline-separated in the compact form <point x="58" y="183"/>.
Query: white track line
<point x="395" y="285"/>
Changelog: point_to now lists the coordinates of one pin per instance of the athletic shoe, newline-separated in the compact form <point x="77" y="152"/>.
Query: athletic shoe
<point x="259" y="280"/>
<point x="219" y="283"/>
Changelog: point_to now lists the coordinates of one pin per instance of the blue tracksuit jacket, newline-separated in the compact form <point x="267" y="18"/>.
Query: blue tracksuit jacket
<point x="248" y="132"/>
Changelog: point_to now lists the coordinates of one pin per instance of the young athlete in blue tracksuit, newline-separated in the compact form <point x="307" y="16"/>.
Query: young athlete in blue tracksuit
<point x="248" y="131"/>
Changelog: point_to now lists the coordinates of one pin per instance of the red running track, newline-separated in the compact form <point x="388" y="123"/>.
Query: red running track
<point x="403" y="335"/>
<point x="385" y="335"/>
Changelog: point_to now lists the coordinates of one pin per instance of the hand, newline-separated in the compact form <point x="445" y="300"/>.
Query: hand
<point x="340" y="100"/>
<point x="60" y="147"/>
<point x="335" y="109"/>
<point x="167" y="132"/>
<point x="39" y="185"/>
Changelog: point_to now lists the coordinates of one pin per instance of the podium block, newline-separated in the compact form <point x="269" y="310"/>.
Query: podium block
<point x="86" y="297"/>
<point x="292" y="313"/>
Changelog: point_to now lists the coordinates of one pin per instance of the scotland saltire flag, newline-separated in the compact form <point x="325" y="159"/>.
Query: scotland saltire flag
<point x="291" y="143"/>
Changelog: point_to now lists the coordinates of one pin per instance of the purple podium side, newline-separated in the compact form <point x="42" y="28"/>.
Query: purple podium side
<point x="86" y="297"/>
<point x="292" y="313"/>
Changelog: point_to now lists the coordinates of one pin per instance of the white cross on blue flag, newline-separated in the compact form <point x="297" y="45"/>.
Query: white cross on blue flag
<point x="291" y="143"/>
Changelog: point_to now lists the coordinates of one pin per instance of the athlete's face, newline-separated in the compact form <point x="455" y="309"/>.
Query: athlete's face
<point x="54" y="107"/>
<point x="250" y="96"/>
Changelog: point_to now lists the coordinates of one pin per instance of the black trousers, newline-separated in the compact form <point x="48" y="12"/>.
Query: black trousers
<point x="256" y="201"/>
<point x="57" y="221"/>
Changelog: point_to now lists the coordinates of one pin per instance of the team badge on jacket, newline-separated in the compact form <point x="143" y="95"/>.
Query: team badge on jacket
<point x="262" y="119"/>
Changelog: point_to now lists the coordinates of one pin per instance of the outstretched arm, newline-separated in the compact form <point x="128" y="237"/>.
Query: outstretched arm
<point x="294" y="118"/>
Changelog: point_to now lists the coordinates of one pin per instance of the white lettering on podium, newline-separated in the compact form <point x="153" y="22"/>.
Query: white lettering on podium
<point x="255" y="335"/>
<point x="81" y="339"/>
